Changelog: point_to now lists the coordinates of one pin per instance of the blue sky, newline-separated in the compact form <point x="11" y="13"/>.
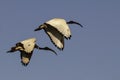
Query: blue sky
<point x="93" y="53"/>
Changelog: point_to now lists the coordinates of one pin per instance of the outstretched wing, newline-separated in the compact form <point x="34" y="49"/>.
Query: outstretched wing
<point x="25" y="57"/>
<point x="55" y="36"/>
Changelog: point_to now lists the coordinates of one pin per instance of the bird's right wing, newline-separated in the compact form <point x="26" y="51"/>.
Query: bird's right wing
<point x="56" y="37"/>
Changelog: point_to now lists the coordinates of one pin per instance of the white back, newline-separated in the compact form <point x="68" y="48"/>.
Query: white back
<point x="29" y="44"/>
<point x="61" y="26"/>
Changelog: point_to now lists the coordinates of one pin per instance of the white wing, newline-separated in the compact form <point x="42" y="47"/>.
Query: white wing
<point x="61" y="26"/>
<point x="56" y="38"/>
<point x="29" y="44"/>
<point x="25" y="57"/>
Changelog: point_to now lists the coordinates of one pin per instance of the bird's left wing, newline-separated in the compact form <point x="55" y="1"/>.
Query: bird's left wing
<point x="25" y="57"/>
<point x="56" y="37"/>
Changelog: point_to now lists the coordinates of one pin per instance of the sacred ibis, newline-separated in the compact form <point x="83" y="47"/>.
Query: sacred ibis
<point x="57" y="29"/>
<point x="26" y="48"/>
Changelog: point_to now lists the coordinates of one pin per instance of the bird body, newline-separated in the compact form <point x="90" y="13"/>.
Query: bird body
<point x="57" y="29"/>
<point x="26" y="48"/>
<point x="29" y="44"/>
<point x="61" y="25"/>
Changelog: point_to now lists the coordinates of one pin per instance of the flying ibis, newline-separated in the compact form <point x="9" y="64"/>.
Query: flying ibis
<point x="26" y="48"/>
<point x="57" y="29"/>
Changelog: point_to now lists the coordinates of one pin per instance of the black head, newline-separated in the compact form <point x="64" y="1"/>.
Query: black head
<point x="43" y="26"/>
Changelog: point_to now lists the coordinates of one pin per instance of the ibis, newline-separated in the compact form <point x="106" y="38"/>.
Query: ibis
<point x="26" y="48"/>
<point x="57" y="29"/>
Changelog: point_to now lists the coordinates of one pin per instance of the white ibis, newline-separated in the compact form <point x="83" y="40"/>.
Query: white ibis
<point x="57" y="29"/>
<point x="26" y="49"/>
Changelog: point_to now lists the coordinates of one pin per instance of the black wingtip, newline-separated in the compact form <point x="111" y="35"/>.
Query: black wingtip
<point x="68" y="38"/>
<point x="61" y="49"/>
<point x="25" y="65"/>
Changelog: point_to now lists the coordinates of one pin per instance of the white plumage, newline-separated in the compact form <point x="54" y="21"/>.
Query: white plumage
<point x="61" y="26"/>
<point x="26" y="48"/>
<point x="29" y="44"/>
<point x="57" y="29"/>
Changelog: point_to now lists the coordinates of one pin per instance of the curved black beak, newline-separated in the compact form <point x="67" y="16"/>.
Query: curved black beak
<point x="13" y="49"/>
<point x="45" y="48"/>
<point x="37" y="29"/>
<point x="74" y="22"/>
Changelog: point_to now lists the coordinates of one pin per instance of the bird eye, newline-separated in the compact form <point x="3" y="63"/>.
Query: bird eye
<point x="28" y="44"/>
